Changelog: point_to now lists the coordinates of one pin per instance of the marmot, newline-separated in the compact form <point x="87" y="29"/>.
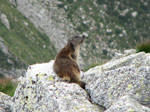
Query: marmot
<point x="65" y="65"/>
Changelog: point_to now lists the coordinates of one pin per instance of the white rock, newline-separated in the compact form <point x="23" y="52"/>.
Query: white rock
<point x="5" y="21"/>
<point x="124" y="12"/>
<point x="134" y="14"/>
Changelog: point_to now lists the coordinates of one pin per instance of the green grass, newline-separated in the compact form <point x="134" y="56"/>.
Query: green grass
<point x="23" y="40"/>
<point x="86" y="68"/>
<point x="7" y="86"/>
<point x="143" y="46"/>
<point x="94" y="64"/>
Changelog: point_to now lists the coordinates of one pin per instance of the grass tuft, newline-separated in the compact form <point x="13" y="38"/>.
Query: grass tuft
<point x="143" y="46"/>
<point x="7" y="86"/>
<point x="86" y="68"/>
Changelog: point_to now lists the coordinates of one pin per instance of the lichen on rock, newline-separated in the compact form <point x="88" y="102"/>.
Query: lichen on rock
<point x="127" y="75"/>
<point x="127" y="104"/>
<point x="41" y="90"/>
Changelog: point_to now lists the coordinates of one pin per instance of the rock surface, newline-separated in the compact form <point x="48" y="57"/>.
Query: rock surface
<point x="127" y="75"/>
<point x="127" y="104"/>
<point x="41" y="90"/>
<point x="6" y="104"/>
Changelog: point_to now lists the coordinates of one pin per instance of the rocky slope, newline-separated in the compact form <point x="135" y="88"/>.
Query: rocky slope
<point x="111" y="25"/>
<point x="21" y="43"/>
<point x="120" y="85"/>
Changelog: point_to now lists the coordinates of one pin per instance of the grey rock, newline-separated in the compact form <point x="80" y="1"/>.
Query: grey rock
<point x="127" y="104"/>
<point x="13" y="2"/>
<point x="6" y="103"/>
<point x="132" y="60"/>
<point x="111" y="85"/>
<point x="129" y="51"/>
<point x="2" y="110"/>
<point x="5" y="21"/>
<point x="41" y="90"/>
<point x="126" y="53"/>
<point x="3" y="47"/>
<point x="129" y="75"/>
<point x="4" y="97"/>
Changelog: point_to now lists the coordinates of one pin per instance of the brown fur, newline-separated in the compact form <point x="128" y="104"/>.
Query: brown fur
<point x="65" y="65"/>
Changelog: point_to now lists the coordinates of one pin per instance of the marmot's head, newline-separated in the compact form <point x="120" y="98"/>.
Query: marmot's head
<point x="76" y="40"/>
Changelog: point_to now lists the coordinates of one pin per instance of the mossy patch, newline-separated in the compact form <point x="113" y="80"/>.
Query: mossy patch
<point x="50" y="78"/>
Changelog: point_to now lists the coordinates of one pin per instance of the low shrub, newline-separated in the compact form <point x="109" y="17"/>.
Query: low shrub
<point x="143" y="46"/>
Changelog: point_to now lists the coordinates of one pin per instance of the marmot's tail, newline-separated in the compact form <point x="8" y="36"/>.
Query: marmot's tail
<point x="81" y="83"/>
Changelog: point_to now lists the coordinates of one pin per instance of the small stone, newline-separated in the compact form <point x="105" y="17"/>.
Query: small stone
<point x="134" y="14"/>
<point x="5" y="21"/>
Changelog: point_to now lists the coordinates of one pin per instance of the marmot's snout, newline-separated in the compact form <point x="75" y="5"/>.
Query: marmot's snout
<point x="83" y="37"/>
<point x="77" y="40"/>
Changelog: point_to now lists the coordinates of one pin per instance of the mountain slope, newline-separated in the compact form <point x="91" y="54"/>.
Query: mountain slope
<point x="24" y="43"/>
<point x="111" y="25"/>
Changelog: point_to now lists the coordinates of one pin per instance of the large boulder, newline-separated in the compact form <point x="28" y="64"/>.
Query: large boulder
<point x="41" y="90"/>
<point x="128" y="74"/>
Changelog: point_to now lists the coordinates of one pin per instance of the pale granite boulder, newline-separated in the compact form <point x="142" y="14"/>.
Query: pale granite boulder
<point x="128" y="74"/>
<point x="42" y="91"/>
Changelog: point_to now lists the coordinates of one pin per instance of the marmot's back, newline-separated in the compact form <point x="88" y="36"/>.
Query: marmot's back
<point x="65" y="65"/>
